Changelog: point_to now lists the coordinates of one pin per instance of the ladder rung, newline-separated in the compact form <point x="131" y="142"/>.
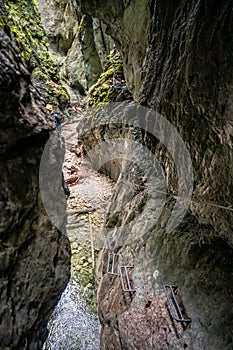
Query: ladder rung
<point x="173" y="305"/>
<point x="124" y="271"/>
<point x="112" y="262"/>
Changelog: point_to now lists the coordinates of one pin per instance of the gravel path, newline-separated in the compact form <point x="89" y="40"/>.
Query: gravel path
<point x="74" y="323"/>
<point x="91" y="188"/>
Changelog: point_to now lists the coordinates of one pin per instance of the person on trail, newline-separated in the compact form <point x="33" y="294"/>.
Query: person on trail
<point x="57" y="118"/>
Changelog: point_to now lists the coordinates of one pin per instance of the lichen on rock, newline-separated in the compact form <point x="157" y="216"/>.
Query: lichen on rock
<point x="25" y="28"/>
<point x="111" y="85"/>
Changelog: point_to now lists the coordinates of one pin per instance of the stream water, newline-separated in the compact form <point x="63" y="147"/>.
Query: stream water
<point x="73" y="326"/>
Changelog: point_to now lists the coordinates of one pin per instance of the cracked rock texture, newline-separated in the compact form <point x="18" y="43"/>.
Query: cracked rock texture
<point x="80" y="42"/>
<point x="34" y="254"/>
<point x="180" y="65"/>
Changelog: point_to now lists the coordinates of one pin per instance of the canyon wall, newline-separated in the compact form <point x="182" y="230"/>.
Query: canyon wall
<point x="171" y="214"/>
<point x="79" y="42"/>
<point x="35" y="255"/>
<point x="178" y="64"/>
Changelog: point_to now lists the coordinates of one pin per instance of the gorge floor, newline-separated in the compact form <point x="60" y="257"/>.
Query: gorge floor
<point x="74" y="323"/>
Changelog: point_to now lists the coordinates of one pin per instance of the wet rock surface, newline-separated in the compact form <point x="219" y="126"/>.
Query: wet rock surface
<point x="144" y="324"/>
<point x="34" y="253"/>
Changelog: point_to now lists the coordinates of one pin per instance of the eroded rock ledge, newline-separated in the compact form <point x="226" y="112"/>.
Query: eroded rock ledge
<point x="34" y="255"/>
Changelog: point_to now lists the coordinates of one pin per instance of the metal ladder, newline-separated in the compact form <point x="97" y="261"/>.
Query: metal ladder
<point x="174" y="305"/>
<point x="112" y="264"/>
<point x="126" y="285"/>
<point x="124" y="276"/>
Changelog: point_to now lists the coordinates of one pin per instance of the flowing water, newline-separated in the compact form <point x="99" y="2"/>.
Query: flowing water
<point x="73" y="326"/>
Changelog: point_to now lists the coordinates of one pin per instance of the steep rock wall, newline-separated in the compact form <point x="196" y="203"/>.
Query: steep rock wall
<point x="79" y="41"/>
<point x="186" y="61"/>
<point x="34" y="253"/>
<point x="128" y="24"/>
<point x="60" y="23"/>
<point x="21" y="20"/>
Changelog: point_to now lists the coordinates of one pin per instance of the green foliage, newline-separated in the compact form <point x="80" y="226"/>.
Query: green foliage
<point x="27" y="31"/>
<point x="103" y="91"/>
<point x="3" y="17"/>
<point x="84" y="272"/>
<point x="2" y="23"/>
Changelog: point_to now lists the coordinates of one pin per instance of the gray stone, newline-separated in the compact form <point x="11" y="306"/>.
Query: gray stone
<point x="34" y="253"/>
<point x="181" y="66"/>
<point x="60" y="23"/>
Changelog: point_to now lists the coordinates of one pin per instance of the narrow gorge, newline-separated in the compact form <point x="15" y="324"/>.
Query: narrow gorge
<point x="116" y="233"/>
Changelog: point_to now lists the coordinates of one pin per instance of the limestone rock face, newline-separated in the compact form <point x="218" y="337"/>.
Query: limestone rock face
<point x="81" y="41"/>
<point x="34" y="255"/>
<point x="128" y="24"/>
<point x="90" y="55"/>
<point x="61" y="26"/>
<point x="186" y="61"/>
<point x="60" y="23"/>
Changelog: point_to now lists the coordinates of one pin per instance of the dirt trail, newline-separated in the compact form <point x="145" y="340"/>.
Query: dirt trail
<point x="88" y="188"/>
<point x="90" y="194"/>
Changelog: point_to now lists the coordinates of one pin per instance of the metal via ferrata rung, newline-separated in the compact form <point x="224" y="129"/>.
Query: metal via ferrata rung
<point x="124" y="272"/>
<point x="173" y="304"/>
<point x="112" y="264"/>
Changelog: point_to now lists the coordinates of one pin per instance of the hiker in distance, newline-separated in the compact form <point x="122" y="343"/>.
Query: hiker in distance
<point x="56" y="117"/>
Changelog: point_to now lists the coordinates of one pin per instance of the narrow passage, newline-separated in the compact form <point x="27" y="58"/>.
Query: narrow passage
<point x="74" y="323"/>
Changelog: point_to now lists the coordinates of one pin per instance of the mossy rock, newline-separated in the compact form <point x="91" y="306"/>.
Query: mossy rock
<point x="82" y="268"/>
<point x="28" y="33"/>
<point x="3" y="18"/>
<point x="110" y="81"/>
<point x="26" y="30"/>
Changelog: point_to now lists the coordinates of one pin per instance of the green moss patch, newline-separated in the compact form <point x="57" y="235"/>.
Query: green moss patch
<point x="82" y="267"/>
<point x="105" y="90"/>
<point x="23" y="19"/>
<point x="28" y="32"/>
